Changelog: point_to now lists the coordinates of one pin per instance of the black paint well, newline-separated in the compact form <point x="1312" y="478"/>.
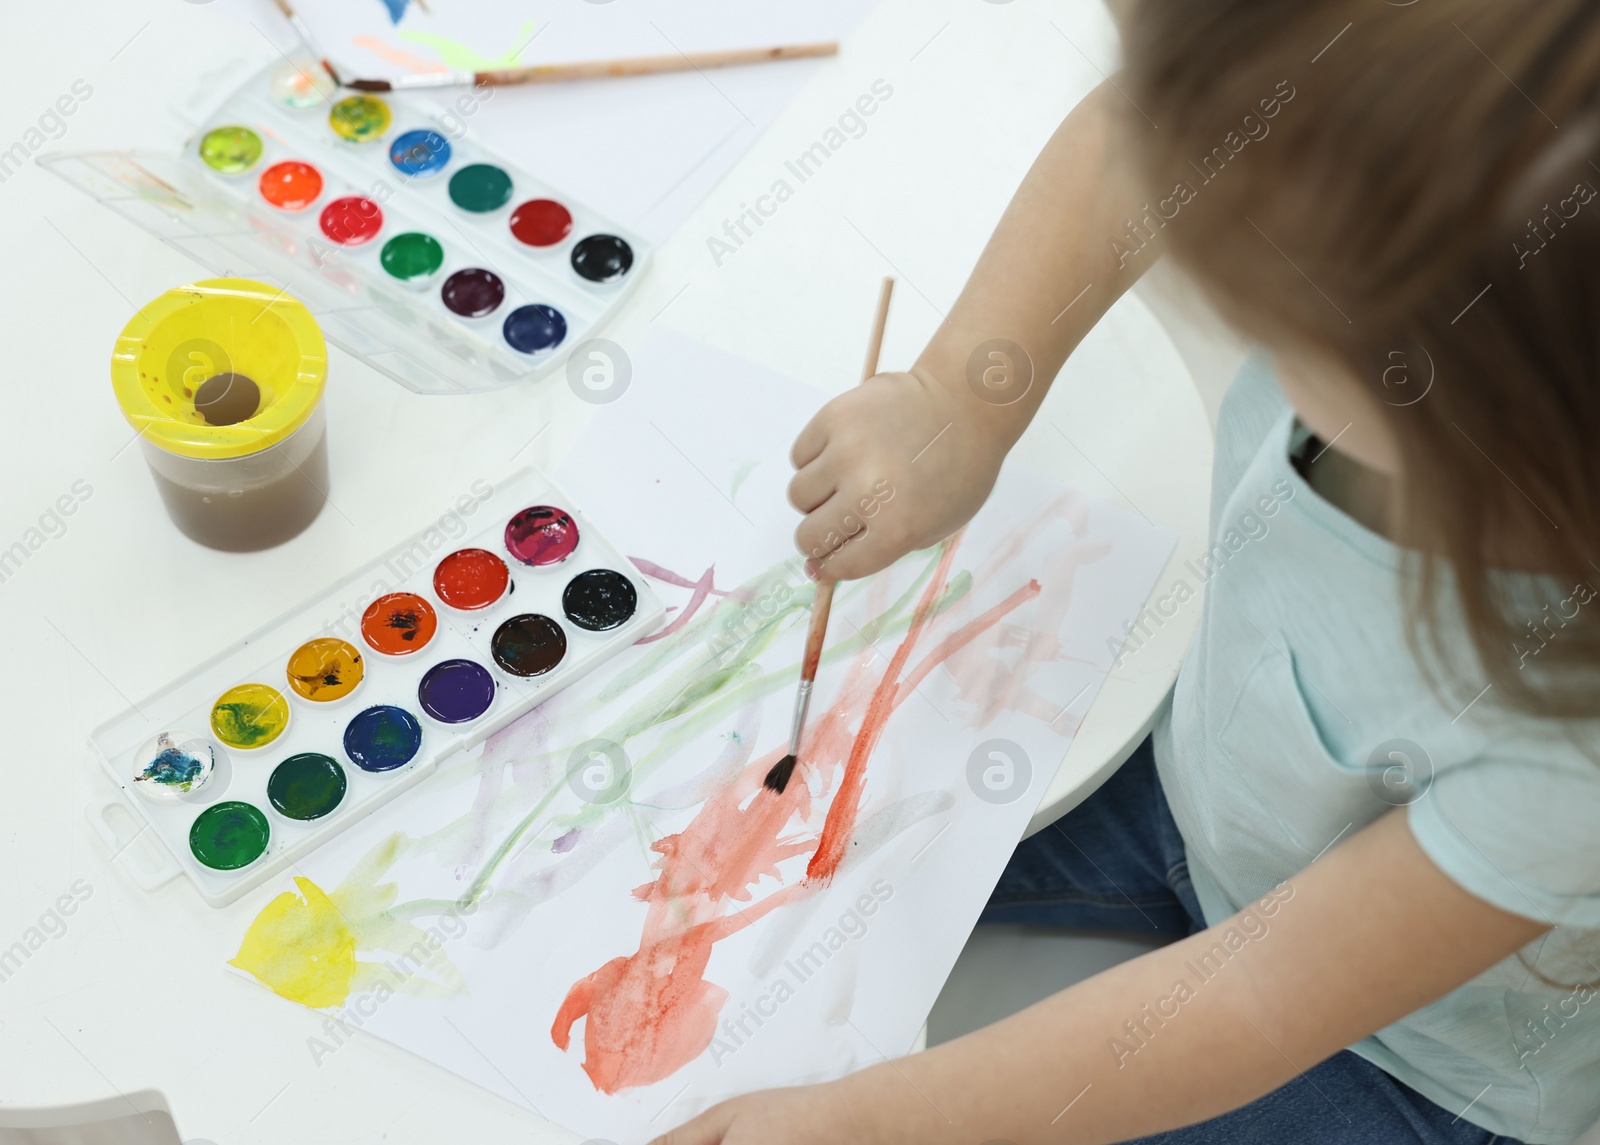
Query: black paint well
<point x="599" y="599"/>
<point x="602" y="258"/>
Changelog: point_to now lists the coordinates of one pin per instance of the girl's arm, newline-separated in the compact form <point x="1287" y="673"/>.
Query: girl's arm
<point x="933" y="437"/>
<point x="1364" y="936"/>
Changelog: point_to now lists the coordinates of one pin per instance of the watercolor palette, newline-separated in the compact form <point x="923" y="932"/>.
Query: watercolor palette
<point x="261" y="754"/>
<point x="424" y="254"/>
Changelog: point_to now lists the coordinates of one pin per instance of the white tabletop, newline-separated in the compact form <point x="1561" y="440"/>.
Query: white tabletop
<point x="130" y="993"/>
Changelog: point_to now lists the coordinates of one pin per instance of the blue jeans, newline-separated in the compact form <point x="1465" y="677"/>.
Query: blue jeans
<point x="1117" y="862"/>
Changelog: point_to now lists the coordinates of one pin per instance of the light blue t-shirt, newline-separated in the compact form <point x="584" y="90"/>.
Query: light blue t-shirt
<point x="1301" y="715"/>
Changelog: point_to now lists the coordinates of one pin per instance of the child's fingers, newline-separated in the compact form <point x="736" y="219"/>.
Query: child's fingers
<point x="818" y="534"/>
<point x="707" y="1129"/>
<point x="840" y="545"/>
<point x="862" y="555"/>
<point x="808" y="444"/>
<point x="812" y="486"/>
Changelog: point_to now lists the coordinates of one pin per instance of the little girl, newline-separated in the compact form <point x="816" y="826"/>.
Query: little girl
<point x="1369" y="820"/>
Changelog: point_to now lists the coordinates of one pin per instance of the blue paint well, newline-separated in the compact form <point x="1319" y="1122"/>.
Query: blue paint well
<point x="382" y="738"/>
<point x="534" y="329"/>
<point x="420" y="153"/>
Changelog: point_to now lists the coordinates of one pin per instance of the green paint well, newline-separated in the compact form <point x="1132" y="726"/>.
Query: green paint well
<point x="230" y="150"/>
<point x="306" y="786"/>
<point x="412" y="256"/>
<point x="480" y="187"/>
<point x="229" y="836"/>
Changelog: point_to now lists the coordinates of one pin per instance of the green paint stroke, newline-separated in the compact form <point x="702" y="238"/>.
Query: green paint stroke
<point x="716" y="684"/>
<point x="692" y="681"/>
<point x="740" y="476"/>
<point x="459" y="56"/>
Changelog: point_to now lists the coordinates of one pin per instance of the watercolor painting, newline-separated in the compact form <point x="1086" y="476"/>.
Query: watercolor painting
<point x="390" y="37"/>
<point x="603" y="914"/>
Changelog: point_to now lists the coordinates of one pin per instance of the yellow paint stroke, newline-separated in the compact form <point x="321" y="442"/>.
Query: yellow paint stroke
<point x="462" y="58"/>
<point x="303" y="947"/>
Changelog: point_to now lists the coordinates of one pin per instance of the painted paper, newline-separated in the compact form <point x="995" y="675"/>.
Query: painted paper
<point x="602" y="914"/>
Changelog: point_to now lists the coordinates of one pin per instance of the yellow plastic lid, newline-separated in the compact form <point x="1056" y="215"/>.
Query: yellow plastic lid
<point x="222" y="326"/>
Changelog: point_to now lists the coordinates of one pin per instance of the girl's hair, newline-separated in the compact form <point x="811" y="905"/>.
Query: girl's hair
<point x="1411" y="188"/>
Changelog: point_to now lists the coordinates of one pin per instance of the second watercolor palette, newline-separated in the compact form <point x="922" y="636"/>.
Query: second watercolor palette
<point x="285" y="739"/>
<point x="433" y="259"/>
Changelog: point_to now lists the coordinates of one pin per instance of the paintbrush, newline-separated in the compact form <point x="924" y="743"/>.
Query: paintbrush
<point x="778" y="778"/>
<point x="304" y="33"/>
<point x="597" y="69"/>
<point x="556" y="73"/>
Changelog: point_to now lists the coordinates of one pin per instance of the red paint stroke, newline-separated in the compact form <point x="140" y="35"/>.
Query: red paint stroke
<point x="841" y="821"/>
<point x="963" y="636"/>
<point x="650" y="1013"/>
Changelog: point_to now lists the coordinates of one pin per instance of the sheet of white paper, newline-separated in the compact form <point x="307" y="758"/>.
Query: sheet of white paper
<point x="693" y="935"/>
<point x="643" y="150"/>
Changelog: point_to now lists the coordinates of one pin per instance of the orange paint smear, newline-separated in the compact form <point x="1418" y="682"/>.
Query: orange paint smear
<point x="841" y="821"/>
<point x="421" y="65"/>
<point x="650" y="1013"/>
<point x="963" y="636"/>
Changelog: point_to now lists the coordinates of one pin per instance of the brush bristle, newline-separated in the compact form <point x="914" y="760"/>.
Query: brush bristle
<point x="370" y="85"/>
<point x="778" y="778"/>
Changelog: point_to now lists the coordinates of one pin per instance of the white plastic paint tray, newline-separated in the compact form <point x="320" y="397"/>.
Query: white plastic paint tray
<point x="403" y="330"/>
<point x="477" y="521"/>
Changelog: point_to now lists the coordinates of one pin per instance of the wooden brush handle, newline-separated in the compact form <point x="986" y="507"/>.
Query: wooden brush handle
<point x="879" y="322"/>
<point x="824" y="598"/>
<point x="820" y="605"/>
<point x="654" y="65"/>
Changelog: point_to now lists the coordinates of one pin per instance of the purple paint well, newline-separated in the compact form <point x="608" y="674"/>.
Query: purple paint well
<point x="473" y="292"/>
<point x="456" y="691"/>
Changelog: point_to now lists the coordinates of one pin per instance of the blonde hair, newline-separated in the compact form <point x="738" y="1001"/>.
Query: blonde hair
<point x="1427" y="194"/>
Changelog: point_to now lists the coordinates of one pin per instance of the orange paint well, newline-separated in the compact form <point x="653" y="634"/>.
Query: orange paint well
<point x="291" y="185"/>
<point x="399" y="623"/>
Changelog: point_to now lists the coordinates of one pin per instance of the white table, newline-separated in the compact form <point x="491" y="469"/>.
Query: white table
<point x="132" y="995"/>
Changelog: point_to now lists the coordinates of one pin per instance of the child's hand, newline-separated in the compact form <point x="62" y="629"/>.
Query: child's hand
<point x="799" y="1115"/>
<point x="894" y="465"/>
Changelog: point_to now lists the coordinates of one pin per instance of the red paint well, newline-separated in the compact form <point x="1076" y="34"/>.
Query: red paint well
<point x="541" y="222"/>
<point x="352" y="220"/>
<point x="471" y="579"/>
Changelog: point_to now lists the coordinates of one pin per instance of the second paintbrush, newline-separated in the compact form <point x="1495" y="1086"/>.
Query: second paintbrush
<point x="778" y="778"/>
